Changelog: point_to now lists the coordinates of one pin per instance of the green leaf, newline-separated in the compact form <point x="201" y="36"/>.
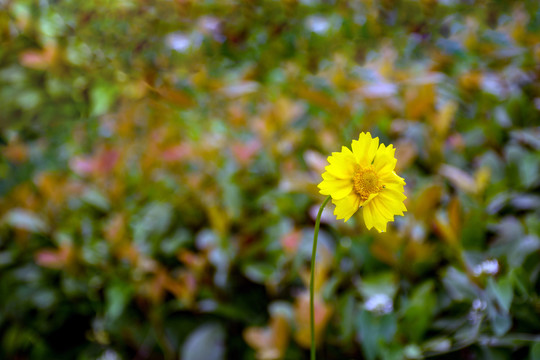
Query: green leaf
<point x="180" y="239"/>
<point x="501" y="324"/>
<point x="502" y="290"/>
<point x="535" y="351"/>
<point x="529" y="170"/>
<point x="375" y="332"/>
<point x="419" y="311"/>
<point x="206" y="342"/>
<point x="102" y="96"/>
<point x="521" y="249"/>
<point x="347" y="309"/>
<point x="25" y="220"/>
<point x="258" y="272"/>
<point x="412" y="351"/>
<point x="437" y="345"/>
<point x="153" y="220"/>
<point x="392" y="352"/>
<point x="381" y="283"/>
<point x="117" y="296"/>
<point x="458" y="286"/>
<point x="96" y="199"/>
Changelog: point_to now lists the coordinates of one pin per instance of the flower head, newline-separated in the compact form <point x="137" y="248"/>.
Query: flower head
<point x="365" y="177"/>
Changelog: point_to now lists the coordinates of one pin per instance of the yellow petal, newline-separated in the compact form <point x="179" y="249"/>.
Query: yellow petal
<point x="368" y="217"/>
<point x="392" y="178"/>
<point x="380" y="206"/>
<point x="378" y="220"/>
<point x="384" y="161"/>
<point x="338" y="188"/>
<point x="394" y="192"/>
<point x="371" y="197"/>
<point x="327" y="176"/>
<point x="393" y="201"/>
<point x="364" y="149"/>
<point x="346" y="207"/>
<point x="381" y="227"/>
<point x="341" y="164"/>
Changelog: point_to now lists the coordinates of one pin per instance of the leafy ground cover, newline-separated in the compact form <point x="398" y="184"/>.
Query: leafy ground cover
<point x="159" y="163"/>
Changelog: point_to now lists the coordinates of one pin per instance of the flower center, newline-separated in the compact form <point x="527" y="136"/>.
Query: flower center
<point x="365" y="183"/>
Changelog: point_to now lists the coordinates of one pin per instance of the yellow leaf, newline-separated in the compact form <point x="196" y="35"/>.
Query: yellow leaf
<point x="177" y="97"/>
<point x="271" y="341"/>
<point x="443" y="119"/>
<point x="419" y="101"/>
<point x="427" y="201"/>
<point x="481" y="178"/>
<point x="406" y="152"/>
<point x="444" y="229"/>
<point x="454" y="214"/>
<point x="322" y="314"/>
<point x="459" y="178"/>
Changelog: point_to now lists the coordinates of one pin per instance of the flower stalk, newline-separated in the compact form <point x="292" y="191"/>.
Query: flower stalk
<point x="312" y="280"/>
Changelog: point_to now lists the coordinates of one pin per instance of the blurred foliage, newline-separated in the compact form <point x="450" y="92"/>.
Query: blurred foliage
<point x="159" y="163"/>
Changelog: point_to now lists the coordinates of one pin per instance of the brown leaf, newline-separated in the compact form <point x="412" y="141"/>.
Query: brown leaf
<point x="16" y="152"/>
<point x="443" y="119"/>
<point x="419" y="101"/>
<point x="406" y="153"/>
<point x="271" y="341"/>
<point x="322" y="312"/>
<point x="459" y="178"/>
<point x="454" y="214"/>
<point x="39" y="59"/>
<point x="176" y="97"/>
<point x="427" y="201"/>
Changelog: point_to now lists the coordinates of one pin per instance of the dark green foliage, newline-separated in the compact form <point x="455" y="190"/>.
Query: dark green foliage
<point x="159" y="162"/>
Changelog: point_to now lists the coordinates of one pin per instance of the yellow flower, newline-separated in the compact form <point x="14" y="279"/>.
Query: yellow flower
<point x="365" y="177"/>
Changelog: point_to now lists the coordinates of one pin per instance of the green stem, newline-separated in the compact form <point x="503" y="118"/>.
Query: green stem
<point x="311" y="287"/>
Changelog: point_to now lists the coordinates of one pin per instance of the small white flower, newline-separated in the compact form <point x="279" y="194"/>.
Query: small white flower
<point x="487" y="267"/>
<point x="380" y="304"/>
<point x="109" y="355"/>
<point x="179" y="41"/>
<point x="478" y="305"/>
<point x="317" y="24"/>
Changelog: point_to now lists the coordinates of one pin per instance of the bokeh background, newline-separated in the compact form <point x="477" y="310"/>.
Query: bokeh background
<point x="159" y="163"/>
